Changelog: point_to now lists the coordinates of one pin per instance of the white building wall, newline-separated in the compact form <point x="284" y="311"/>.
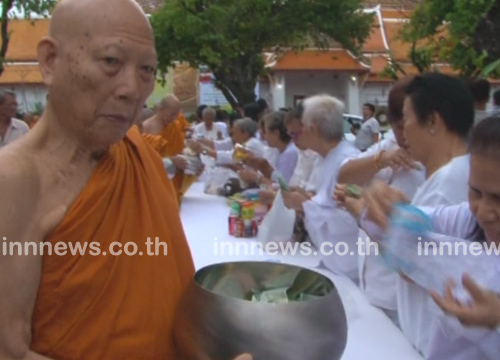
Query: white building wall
<point x="375" y="93"/>
<point x="28" y="96"/>
<point x="304" y="84"/>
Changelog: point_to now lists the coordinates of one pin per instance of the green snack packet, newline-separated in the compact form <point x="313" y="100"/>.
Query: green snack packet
<point x="282" y="183"/>
<point x="271" y="296"/>
<point x="353" y="191"/>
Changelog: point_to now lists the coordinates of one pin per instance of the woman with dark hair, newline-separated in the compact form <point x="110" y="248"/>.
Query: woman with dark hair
<point x="277" y="138"/>
<point x="475" y="220"/>
<point x="387" y="161"/>
<point x="438" y="114"/>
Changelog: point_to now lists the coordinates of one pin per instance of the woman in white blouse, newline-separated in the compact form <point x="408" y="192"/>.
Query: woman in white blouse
<point x="438" y="114"/>
<point x="477" y="220"/>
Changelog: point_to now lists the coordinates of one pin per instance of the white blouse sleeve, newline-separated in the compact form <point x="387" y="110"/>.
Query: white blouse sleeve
<point x="455" y="220"/>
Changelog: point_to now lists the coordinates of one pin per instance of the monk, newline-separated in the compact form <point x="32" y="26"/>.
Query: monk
<point x="170" y="125"/>
<point x="84" y="176"/>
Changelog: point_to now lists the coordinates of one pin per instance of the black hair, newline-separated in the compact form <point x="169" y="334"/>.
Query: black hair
<point x="233" y="117"/>
<point x="370" y="106"/>
<point x="252" y="111"/>
<point x="480" y="90"/>
<point x="496" y="98"/>
<point x="199" y="111"/>
<point x="262" y="104"/>
<point x="445" y="95"/>
<point x="276" y="121"/>
<point x="485" y="137"/>
<point x="221" y="115"/>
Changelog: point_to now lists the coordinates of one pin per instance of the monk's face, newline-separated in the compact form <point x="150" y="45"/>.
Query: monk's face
<point x="100" y="77"/>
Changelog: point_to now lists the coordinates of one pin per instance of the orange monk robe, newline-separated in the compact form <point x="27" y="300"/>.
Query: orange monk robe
<point x="115" y="307"/>
<point x="175" y="136"/>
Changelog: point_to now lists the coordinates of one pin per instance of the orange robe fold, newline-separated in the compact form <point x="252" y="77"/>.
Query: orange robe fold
<point x="115" y="307"/>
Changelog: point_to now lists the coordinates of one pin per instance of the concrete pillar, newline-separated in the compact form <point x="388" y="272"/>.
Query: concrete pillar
<point x="278" y="91"/>
<point x="353" y="105"/>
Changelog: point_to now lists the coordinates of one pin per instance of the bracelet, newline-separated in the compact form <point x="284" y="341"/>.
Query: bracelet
<point x="378" y="157"/>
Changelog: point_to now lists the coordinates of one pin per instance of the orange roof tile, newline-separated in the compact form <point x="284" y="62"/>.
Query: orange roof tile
<point x="375" y="43"/>
<point x="395" y="14"/>
<point x="378" y="64"/>
<point x="337" y="59"/>
<point x="24" y="39"/>
<point x="410" y="69"/>
<point x="19" y="74"/>
<point x="399" y="49"/>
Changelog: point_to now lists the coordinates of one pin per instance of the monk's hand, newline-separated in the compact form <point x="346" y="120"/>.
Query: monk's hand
<point x="249" y="175"/>
<point x="399" y="158"/>
<point x="293" y="200"/>
<point x="380" y="200"/>
<point x="483" y="312"/>
<point x="259" y="164"/>
<point x="266" y="197"/>
<point x="219" y="135"/>
<point x="180" y="162"/>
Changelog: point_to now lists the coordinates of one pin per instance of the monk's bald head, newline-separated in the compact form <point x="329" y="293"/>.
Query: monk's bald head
<point x="169" y="108"/>
<point x="98" y="63"/>
<point x="88" y="18"/>
<point x="169" y="101"/>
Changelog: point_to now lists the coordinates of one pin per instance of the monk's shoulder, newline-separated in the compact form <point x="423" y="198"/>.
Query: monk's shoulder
<point x="151" y="127"/>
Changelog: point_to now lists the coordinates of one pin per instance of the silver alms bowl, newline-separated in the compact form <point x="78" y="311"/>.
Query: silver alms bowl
<point x="217" y="319"/>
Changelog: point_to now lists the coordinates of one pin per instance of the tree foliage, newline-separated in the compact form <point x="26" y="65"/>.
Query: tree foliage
<point x="230" y="37"/>
<point x="28" y="8"/>
<point x="463" y="33"/>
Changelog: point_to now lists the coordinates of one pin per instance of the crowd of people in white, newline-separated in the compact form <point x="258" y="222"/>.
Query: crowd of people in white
<point x="441" y="154"/>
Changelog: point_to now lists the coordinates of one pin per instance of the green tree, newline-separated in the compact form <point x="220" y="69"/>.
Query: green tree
<point x="27" y="8"/>
<point x="230" y="37"/>
<point x="463" y="33"/>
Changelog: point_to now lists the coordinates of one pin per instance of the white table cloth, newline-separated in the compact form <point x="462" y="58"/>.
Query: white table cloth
<point x="371" y="334"/>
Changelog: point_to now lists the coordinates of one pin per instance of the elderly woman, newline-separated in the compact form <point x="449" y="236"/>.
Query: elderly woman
<point x="475" y="220"/>
<point x="281" y="153"/>
<point x="438" y="115"/>
<point x="390" y="162"/>
<point x="209" y="128"/>
<point x="324" y="221"/>
<point x="243" y="133"/>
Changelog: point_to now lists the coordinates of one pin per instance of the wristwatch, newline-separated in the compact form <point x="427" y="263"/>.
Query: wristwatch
<point x="204" y="152"/>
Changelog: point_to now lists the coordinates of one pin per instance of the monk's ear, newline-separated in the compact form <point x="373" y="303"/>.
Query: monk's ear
<point x="48" y="49"/>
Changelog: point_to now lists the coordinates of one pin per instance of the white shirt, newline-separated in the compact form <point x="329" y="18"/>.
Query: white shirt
<point x="271" y="155"/>
<point x="253" y="145"/>
<point x="377" y="281"/>
<point x="287" y="161"/>
<point x="447" y="186"/>
<point x="226" y="144"/>
<point x="307" y="170"/>
<point x="200" y="130"/>
<point x="364" y="136"/>
<point x="473" y="343"/>
<point x="325" y="222"/>
<point x="16" y="129"/>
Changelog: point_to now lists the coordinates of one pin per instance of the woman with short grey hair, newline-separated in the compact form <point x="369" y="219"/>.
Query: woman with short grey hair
<point x="243" y="133"/>
<point x="322" y="132"/>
